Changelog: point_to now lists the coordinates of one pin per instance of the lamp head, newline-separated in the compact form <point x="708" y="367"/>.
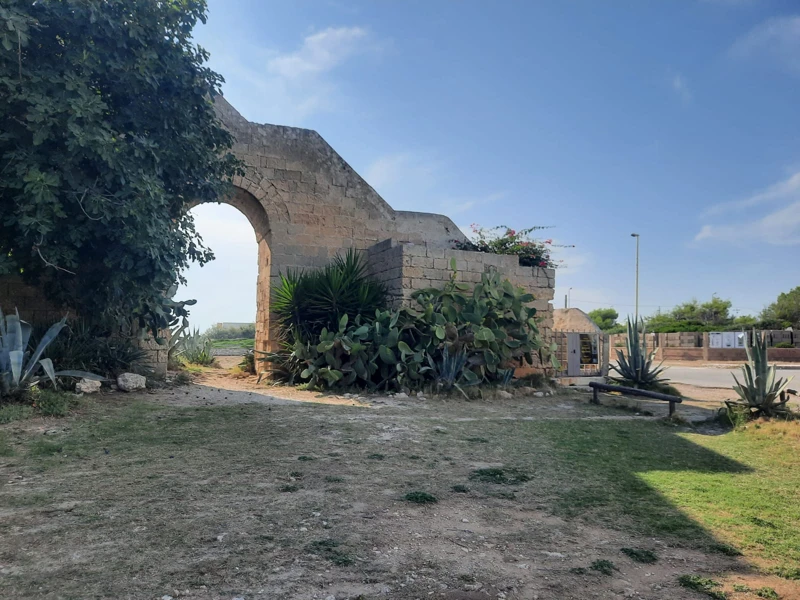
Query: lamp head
<point x="634" y="235"/>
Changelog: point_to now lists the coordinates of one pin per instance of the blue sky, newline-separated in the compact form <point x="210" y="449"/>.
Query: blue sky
<point x="676" y="120"/>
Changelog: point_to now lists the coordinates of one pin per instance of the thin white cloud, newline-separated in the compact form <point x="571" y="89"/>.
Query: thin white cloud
<point x="777" y="39"/>
<point x="681" y="88"/>
<point x="778" y="228"/>
<point x="320" y="53"/>
<point x="287" y="88"/>
<point x="783" y="190"/>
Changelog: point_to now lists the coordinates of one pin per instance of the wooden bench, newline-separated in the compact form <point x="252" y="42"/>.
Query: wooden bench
<point x="596" y="387"/>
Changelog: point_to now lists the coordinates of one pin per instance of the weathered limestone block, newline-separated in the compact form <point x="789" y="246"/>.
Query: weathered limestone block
<point x="130" y="382"/>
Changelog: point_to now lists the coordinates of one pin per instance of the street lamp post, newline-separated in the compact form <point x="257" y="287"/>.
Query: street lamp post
<point x="636" y="317"/>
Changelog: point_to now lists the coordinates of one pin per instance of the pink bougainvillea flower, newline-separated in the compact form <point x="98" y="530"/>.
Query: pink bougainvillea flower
<point x="548" y="241"/>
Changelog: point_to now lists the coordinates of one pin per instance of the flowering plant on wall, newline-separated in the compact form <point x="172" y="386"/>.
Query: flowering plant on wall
<point x="504" y="240"/>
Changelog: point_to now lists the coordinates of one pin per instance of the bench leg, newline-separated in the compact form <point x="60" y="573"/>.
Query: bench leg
<point x="595" y="398"/>
<point x="671" y="408"/>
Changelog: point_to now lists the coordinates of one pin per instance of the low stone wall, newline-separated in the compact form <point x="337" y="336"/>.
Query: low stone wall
<point x="406" y="267"/>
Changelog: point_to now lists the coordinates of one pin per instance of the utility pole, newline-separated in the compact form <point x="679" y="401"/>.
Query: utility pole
<point x="569" y="296"/>
<point x="636" y="235"/>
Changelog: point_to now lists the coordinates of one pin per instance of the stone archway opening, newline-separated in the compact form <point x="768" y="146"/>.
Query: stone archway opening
<point x="246" y="204"/>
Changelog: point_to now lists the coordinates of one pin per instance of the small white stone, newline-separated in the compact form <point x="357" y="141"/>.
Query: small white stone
<point x="465" y="520"/>
<point x="401" y="395"/>
<point x="539" y="394"/>
<point x="505" y="394"/>
<point x="88" y="386"/>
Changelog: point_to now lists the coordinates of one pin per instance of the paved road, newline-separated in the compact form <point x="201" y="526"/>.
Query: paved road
<point x="720" y="378"/>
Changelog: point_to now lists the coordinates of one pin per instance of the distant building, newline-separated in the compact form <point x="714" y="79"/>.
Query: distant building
<point x="230" y="325"/>
<point x="573" y="319"/>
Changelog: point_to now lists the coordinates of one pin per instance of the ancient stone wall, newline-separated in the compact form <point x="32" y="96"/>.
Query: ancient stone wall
<point x="407" y="267"/>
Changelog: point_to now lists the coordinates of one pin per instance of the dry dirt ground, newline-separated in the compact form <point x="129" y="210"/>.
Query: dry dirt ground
<point x="226" y="489"/>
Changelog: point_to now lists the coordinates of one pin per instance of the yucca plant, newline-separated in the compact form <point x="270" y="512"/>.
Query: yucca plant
<point x="19" y="368"/>
<point x="762" y="393"/>
<point x="306" y="302"/>
<point x="637" y="368"/>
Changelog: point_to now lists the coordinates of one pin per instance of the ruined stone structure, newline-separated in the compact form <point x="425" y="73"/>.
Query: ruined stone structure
<point x="306" y="204"/>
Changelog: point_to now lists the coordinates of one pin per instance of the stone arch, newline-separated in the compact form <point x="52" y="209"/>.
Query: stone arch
<point x="254" y="211"/>
<point x="307" y="204"/>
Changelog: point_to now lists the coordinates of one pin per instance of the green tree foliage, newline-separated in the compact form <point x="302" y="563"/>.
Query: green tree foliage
<point x="714" y="315"/>
<point x="784" y="312"/>
<point x="605" y="318"/>
<point x="107" y="129"/>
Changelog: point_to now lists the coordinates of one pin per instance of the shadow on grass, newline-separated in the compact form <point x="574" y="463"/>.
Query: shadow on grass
<point x="603" y="466"/>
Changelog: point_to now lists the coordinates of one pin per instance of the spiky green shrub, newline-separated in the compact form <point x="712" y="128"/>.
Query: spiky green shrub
<point x="196" y="349"/>
<point x="306" y="302"/>
<point x="20" y="367"/>
<point x="450" y="338"/>
<point x="762" y="393"/>
<point x="637" y="368"/>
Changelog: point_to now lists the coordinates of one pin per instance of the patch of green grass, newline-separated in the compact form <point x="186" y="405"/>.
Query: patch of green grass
<point x="296" y="474"/>
<point x="642" y="477"/>
<point x="768" y="593"/>
<point x="15" y="412"/>
<point x="45" y="447"/>
<point x="247" y="343"/>
<point x="5" y="446"/>
<point x="334" y="479"/>
<point x="289" y="488"/>
<point x="500" y="476"/>
<point x="52" y="404"/>
<point x="738" y="587"/>
<point x="726" y="549"/>
<point x="376" y="456"/>
<point x="460" y="489"/>
<point x="703" y="585"/>
<point x="476" y="440"/>
<point x="330" y="549"/>
<point x="414" y="457"/>
<point x="578" y="570"/>
<point x="792" y="573"/>
<point x="420" y="498"/>
<point x="606" y="567"/>
<point x="640" y="555"/>
<point x="305" y="458"/>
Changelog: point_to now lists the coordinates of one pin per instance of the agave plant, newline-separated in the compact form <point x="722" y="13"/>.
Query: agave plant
<point x="196" y="348"/>
<point x="20" y="369"/>
<point x="637" y="367"/>
<point x="761" y="391"/>
<point x="177" y="338"/>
